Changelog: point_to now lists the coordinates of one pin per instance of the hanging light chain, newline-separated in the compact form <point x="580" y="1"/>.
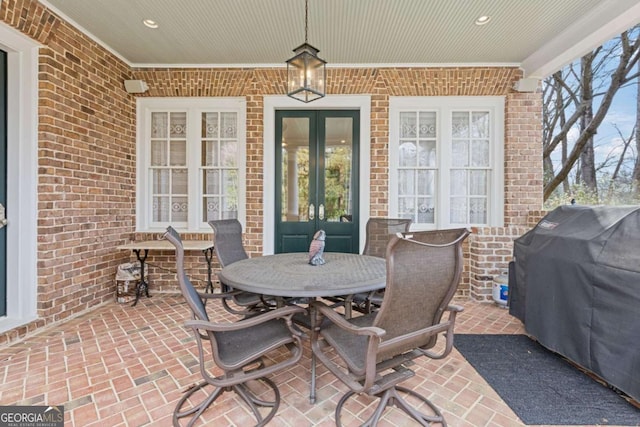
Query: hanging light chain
<point x="306" y="19"/>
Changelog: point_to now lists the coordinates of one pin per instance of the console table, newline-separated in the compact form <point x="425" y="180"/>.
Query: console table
<point x="142" y="248"/>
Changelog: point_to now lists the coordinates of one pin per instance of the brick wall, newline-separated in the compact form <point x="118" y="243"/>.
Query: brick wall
<point x="488" y="251"/>
<point x="86" y="165"/>
<point x="86" y="177"/>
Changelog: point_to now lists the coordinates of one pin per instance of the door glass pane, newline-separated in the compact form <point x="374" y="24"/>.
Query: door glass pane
<point x="295" y="169"/>
<point x="337" y="168"/>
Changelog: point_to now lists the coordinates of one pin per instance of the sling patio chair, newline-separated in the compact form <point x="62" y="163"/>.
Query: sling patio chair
<point x="227" y="244"/>
<point x="378" y="233"/>
<point x="370" y="353"/>
<point x="243" y="353"/>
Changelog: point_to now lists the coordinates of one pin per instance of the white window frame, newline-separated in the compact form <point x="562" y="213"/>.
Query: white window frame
<point x="444" y="106"/>
<point x="194" y="107"/>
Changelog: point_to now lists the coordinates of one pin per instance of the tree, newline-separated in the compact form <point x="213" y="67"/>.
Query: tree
<point x="578" y="98"/>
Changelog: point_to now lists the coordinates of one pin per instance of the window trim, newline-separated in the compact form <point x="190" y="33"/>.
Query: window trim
<point x="443" y="106"/>
<point x="22" y="177"/>
<point x="194" y="107"/>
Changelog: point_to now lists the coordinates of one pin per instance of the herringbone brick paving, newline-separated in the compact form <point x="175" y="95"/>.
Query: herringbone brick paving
<point x="127" y="366"/>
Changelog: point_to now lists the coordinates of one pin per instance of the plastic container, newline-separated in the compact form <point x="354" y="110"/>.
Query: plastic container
<point x="500" y="292"/>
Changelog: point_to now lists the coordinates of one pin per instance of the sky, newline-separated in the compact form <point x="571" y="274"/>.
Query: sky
<point x="607" y="141"/>
<point x="621" y="113"/>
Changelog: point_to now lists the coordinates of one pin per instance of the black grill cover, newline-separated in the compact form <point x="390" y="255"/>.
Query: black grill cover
<point x="575" y="284"/>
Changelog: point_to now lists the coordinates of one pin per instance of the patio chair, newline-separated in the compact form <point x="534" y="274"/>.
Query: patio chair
<point x="227" y="235"/>
<point x="368" y="353"/>
<point x="239" y="350"/>
<point x="378" y="233"/>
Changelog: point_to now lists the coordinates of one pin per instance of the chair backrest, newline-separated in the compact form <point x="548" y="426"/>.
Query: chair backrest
<point x="227" y="241"/>
<point x="186" y="287"/>
<point x="379" y="231"/>
<point x="423" y="273"/>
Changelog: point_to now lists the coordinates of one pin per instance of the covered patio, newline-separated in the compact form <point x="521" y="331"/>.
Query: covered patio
<point x="77" y="184"/>
<point x="120" y="366"/>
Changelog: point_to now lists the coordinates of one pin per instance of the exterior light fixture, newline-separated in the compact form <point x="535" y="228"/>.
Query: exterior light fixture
<point x="482" y="20"/>
<point x="150" y="23"/>
<point x="306" y="73"/>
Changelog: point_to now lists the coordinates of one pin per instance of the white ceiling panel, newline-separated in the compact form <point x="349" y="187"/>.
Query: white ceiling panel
<point x="526" y="33"/>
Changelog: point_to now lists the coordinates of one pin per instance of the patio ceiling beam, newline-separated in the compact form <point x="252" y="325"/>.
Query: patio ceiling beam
<point x="609" y="19"/>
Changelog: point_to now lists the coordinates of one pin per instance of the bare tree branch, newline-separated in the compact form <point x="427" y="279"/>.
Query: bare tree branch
<point x="628" y="59"/>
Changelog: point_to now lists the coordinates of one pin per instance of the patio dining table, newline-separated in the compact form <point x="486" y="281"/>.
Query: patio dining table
<point x="291" y="275"/>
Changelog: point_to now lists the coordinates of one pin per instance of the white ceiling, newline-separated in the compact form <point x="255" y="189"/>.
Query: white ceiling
<point x="538" y="35"/>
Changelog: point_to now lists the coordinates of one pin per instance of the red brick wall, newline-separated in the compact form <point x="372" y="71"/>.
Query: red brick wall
<point x="486" y="253"/>
<point x="86" y="165"/>
<point x="86" y="177"/>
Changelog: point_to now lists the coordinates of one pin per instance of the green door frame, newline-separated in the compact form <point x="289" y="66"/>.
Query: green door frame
<point x="294" y="236"/>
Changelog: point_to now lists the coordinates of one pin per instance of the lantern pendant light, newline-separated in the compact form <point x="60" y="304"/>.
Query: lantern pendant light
<point x="306" y="73"/>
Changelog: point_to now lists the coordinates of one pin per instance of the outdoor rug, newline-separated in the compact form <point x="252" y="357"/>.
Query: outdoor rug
<point x="540" y="386"/>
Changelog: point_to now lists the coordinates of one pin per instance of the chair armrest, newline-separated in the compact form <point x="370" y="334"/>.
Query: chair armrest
<point x="455" y="307"/>
<point x="342" y="323"/>
<point x="280" y="313"/>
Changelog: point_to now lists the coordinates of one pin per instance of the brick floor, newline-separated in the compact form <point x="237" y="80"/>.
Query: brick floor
<point x="127" y="366"/>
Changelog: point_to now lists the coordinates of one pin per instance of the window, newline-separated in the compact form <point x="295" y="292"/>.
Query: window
<point x="446" y="161"/>
<point x="191" y="162"/>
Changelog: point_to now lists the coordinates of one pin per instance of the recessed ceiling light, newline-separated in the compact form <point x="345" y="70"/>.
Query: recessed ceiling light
<point x="150" y="23"/>
<point x="483" y="20"/>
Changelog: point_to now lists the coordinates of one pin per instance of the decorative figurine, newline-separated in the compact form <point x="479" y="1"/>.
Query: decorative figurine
<point x="317" y="248"/>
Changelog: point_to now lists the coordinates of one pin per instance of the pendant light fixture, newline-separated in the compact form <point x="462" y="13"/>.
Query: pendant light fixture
<point x="306" y="74"/>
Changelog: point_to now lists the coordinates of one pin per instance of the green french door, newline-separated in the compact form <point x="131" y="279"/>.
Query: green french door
<point x="317" y="167"/>
<point x="3" y="183"/>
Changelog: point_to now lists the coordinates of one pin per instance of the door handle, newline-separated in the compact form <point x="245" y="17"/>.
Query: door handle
<point x="321" y="212"/>
<point x="3" y="218"/>
<point x="312" y="212"/>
